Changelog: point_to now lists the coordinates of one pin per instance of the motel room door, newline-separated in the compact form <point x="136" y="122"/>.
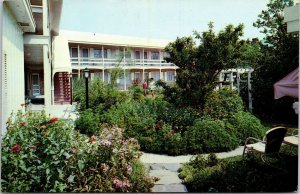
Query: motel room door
<point x="35" y="84"/>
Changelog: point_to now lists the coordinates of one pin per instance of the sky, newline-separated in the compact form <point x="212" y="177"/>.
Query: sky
<point x="159" y="19"/>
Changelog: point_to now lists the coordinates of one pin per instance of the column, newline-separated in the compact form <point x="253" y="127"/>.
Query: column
<point x="231" y="80"/>
<point x="78" y="50"/>
<point x="249" y="91"/>
<point x="45" y="18"/>
<point x="47" y="78"/>
<point x="102" y="55"/>
<point x="124" y="68"/>
<point x="143" y="64"/>
<point x="78" y="73"/>
<point x="175" y="75"/>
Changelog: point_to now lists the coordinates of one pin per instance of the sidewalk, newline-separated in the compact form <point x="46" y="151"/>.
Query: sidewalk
<point x="165" y="167"/>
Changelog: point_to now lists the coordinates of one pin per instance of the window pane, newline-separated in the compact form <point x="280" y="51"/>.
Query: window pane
<point x="154" y="55"/>
<point x="137" y="55"/>
<point x="85" y="53"/>
<point x="145" y="55"/>
<point x="97" y="53"/>
<point x="74" y="52"/>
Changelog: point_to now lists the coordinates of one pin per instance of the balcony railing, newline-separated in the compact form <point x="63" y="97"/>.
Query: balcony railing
<point x="106" y="62"/>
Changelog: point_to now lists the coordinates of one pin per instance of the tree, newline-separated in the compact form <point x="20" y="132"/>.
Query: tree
<point x="279" y="57"/>
<point x="119" y="72"/>
<point x="199" y="65"/>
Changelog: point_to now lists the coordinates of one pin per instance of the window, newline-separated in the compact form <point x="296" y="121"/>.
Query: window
<point x="74" y="52"/>
<point x="155" y="75"/>
<point x="85" y="53"/>
<point x="105" y="53"/>
<point x="137" y="55"/>
<point x="155" y="55"/>
<point x="170" y="76"/>
<point x="97" y="53"/>
<point x="145" y="55"/>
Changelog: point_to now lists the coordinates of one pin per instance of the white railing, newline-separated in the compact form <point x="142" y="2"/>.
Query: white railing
<point x="107" y="62"/>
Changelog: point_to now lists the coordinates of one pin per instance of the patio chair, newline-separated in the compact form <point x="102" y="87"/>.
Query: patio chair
<point x="292" y="139"/>
<point x="271" y="142"/>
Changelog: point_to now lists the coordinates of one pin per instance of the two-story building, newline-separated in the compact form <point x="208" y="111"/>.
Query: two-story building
<point x="139" y="59"/>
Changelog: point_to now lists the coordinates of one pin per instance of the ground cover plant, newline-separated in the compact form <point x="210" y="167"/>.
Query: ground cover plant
<point x="42" y="154"/>
<point x="242" y="175"/>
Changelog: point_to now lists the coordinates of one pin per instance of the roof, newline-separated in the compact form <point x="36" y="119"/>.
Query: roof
<point x="115" y="40"/>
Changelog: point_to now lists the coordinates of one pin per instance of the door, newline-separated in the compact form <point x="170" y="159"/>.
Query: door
<point x="35" y="84"/>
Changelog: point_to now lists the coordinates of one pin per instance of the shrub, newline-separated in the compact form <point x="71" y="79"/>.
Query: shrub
<point x="239" y="175"/>
<point x="209" y="136"/>
<point x="137" y="92"/>
<point x="40" y="154"/>
<point x="245" y="125"/>
<point x="88" y="122"/>
<point x="100" y="93"/>
<point x="222" y="104"/>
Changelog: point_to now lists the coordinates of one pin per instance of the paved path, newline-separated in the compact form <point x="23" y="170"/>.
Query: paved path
<point x="165" y="167"/>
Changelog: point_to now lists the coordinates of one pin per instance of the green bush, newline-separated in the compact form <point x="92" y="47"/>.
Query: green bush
<point x="42" y="154"/>
<point x="209" y="136"/>
<point x="88" y="122"/>
<point x="222" y="104"/>
<point x="239" y="175"/>
<point x="137" y="92"/>
<point x="246" y="125"/>
<point x="100" y="94"/>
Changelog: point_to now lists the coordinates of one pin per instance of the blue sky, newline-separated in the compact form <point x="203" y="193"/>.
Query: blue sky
<point x="159" y="19"/>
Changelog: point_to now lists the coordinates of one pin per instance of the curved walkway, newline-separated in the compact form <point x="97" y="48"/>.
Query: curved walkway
<point x="165" y="167"/>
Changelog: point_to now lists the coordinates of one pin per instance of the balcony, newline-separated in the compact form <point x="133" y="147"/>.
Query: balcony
<point x="110" y="63"/>
<point x="22" y="11"/>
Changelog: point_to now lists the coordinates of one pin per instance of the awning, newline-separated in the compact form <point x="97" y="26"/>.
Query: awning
<point x="287" y="86"/>
<point x="61" y="57"/>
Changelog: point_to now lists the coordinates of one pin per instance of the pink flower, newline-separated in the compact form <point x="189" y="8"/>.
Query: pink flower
<point x="126" y="184"/>
<point x="22" y="123"/>
<point x="128" y="169"/>
<point x="32" y="147"/>
<point x="16" y="148"/>
<point x="172" y="132"/>
<point x="117" y="183"/>
<point x="168" y="136"/>
<point x="105" y="143"/>
<point x="53" y="120"/>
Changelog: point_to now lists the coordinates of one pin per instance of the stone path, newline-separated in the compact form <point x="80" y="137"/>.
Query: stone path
<point x="165" y="167"/>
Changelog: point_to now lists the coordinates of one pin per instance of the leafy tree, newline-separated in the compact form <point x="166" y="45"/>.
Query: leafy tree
<point x="280" y="56"/>
<point x="118" y="72"/>
<point x="199" y="65"/>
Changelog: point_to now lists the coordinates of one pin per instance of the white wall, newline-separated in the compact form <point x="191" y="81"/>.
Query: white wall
<point x="13" y="68"/>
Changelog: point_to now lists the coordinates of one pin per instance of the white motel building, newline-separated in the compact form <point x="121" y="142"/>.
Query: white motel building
<point x="39" y="61"/>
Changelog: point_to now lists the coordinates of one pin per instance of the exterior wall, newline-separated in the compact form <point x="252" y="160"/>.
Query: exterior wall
<point x="13" y="65"/>
<point x="138" y="64"/>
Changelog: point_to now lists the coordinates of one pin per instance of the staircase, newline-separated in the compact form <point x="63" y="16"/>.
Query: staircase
<point x="62" y="88"/>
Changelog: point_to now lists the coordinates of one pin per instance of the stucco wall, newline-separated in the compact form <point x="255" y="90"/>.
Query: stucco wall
<point x="12" y="65"/>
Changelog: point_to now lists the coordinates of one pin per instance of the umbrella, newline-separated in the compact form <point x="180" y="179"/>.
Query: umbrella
<point x="287" y="86"/>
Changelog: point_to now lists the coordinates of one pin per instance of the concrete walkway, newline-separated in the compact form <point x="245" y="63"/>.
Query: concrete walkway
<point x="165" y="168"/>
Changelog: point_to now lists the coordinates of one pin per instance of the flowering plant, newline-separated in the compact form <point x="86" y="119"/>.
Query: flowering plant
<point x="47" y="155"/>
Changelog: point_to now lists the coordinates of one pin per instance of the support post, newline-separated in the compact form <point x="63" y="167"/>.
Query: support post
<point x="249" y="91"/>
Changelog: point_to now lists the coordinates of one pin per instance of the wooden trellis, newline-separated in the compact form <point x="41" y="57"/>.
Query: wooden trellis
<point x="233" y="78"/>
